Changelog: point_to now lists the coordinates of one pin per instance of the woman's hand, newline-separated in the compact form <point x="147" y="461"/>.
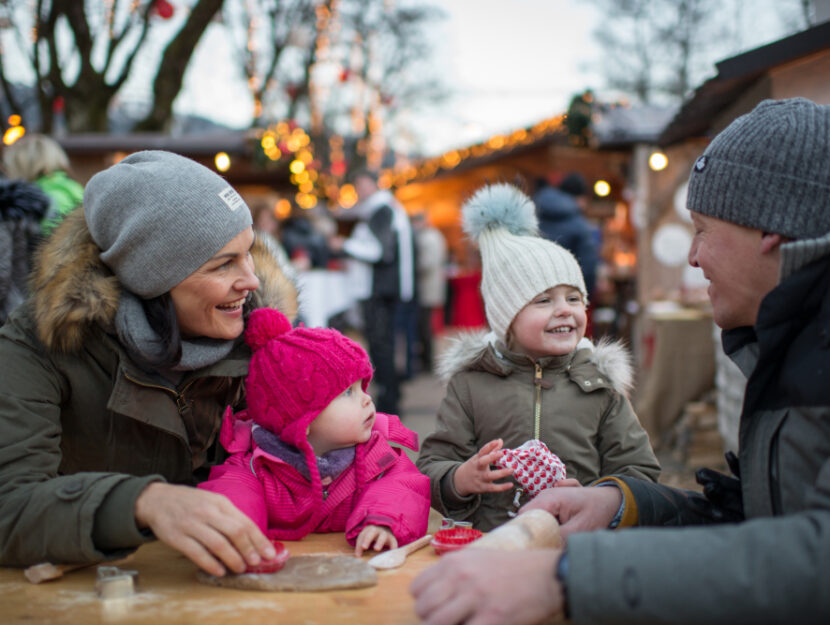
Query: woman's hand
<point x="206" y="527"/>
<point x="379" y="535"/>
<point x="484" y="587"/>
<point x="578" y="509"/>
<point x="475" y="475"/>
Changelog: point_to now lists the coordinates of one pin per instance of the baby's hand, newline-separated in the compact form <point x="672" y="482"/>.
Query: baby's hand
<point x="475" y="475"/>
<point x="567" y="482"/>
<point x="379" y="535"/>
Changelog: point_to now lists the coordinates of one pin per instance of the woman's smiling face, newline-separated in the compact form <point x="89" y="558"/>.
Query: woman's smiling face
<point x="209" y="301"/>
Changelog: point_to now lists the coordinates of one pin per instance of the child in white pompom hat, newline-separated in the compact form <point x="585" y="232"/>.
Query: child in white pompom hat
<point x="533" y="382"/>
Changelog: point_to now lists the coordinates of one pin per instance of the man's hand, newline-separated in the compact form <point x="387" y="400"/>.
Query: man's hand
<point x="379" y="535"/>
<point x="475" y="476"/>
<point x="206" y="527"/>
<point x="578" y="509"/>
<point x="482" y="587"/>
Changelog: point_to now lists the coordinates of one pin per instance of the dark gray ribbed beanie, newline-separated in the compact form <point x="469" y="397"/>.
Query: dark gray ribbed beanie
<point x="158" y="217"/>
<point x="770" y="170"/>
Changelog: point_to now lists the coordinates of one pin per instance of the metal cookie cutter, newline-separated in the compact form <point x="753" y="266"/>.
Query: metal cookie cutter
<point x="115" y="583"/>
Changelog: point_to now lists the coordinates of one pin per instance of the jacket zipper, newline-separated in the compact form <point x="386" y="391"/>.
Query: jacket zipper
<point x="179" y="395"/>
<point x="537" y="410"/>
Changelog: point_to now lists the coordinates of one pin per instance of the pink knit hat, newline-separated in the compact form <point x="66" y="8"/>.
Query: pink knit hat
<point x="295" y="373"/>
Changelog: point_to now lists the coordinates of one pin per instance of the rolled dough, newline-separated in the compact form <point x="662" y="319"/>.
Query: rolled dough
<point x="302" y="574"/>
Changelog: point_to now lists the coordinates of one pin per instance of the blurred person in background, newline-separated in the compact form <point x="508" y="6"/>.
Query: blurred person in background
<point x="22" y="206"/>
<point x="41" y="160"/>
<point x="301" y="239"/>
<point x="561" y="220"/>
<point x="266" y="228"/>
<point x="431" y="261"/>
<point x="383" y="277"/>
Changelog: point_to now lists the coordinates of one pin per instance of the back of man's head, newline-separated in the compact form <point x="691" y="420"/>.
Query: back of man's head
<point x="574" y="184"/>
<point x="769" y="170"/>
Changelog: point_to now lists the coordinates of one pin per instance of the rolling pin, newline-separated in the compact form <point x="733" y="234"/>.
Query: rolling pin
<point x="46" y="571"/>
<point x="535" y="529"/>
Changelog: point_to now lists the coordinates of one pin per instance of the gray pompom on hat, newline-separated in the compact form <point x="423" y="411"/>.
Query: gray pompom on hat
<point x="158" y="217"/>
<point x="769" y="170"/>
<point x="517" y="264"/>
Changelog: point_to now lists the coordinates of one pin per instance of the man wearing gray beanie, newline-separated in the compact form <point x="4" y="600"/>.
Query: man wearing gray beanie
<point x="760" y="543"/>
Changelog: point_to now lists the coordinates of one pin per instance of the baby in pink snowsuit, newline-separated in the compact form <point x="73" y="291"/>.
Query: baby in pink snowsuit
<point x="310" y="454"/>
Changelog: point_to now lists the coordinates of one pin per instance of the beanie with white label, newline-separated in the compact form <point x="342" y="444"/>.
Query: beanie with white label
<point x="158" y="216"/>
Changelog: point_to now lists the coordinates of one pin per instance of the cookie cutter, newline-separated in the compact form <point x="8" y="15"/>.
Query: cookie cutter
<point x="115" y="583"/>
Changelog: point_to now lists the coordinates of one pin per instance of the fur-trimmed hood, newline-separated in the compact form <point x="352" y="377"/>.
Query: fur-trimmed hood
<point x="73" y="290"/>
<point x="480" y="350"/>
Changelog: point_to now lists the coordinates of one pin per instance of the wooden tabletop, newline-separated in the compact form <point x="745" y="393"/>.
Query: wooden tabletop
<point x="168" y="592"/>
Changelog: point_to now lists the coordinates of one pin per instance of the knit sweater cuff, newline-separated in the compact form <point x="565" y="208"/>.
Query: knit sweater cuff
<point x="114" y="527"/>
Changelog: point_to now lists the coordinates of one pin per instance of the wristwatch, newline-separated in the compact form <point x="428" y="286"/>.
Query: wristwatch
<point x="562" y="578"/>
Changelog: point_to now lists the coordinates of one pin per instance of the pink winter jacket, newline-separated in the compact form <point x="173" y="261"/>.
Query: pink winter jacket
<point x="381" y="487"/>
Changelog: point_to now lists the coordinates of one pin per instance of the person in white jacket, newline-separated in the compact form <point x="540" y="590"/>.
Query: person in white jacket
<point x="382" y="277"/>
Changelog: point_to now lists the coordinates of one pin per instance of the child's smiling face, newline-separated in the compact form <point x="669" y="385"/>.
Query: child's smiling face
<point x="346" y="421"/>
<point x="551" y="324"/>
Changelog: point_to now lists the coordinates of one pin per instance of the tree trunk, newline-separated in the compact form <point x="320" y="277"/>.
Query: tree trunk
<point x="177" y="55"/>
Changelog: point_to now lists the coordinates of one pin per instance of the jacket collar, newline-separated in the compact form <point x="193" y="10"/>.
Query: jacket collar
<point x="73" y="290"/>
<point x="482" y="352"/>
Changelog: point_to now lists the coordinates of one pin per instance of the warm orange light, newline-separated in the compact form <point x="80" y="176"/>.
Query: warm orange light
<point x="14" y="120"/>
<point x="347" y="196"/>
<point x="282" y="208"/>
<point x="625" y="259"/>
<point x="296" y="166"/>
<point x="13" y="134"/>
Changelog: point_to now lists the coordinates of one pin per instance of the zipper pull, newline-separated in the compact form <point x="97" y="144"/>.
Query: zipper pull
<point x="517" y="495"/>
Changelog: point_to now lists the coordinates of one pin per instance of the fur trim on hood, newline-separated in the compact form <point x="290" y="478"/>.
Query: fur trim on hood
<point x="611" y="358"/>
<point x="73" y="290"/>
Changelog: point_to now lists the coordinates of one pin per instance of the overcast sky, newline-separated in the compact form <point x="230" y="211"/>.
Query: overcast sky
<point x="509" y="64"/>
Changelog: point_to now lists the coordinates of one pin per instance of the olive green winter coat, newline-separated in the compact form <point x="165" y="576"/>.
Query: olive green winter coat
<point x="584" y="417"/>
<point x="82" y="429"/>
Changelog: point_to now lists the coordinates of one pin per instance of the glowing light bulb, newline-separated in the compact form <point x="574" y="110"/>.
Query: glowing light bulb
<point x="602" y="188"/>
<point x="222" y="161"/>
<point x="658" y="161"/>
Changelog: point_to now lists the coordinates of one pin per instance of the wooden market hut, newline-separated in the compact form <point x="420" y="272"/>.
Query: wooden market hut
<point x="438" y="186"/>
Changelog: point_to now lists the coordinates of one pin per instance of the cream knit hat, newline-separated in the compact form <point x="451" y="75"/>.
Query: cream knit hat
<point x="517" y="264"/>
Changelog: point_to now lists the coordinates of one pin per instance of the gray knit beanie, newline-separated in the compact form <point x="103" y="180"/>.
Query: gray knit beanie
<point x="517" y="264"/>
<point x="769" y="170"/>
<point x="158" y="217"/>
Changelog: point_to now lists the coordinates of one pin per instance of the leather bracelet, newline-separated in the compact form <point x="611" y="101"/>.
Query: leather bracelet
<point x="562" y="570"/>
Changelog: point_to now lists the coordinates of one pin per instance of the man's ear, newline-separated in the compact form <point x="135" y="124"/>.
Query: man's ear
<point x="771" y="241"/>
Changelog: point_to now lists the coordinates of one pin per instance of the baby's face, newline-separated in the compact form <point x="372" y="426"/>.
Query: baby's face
<point x="346" y="421"/>
<point x="552" y="324"/>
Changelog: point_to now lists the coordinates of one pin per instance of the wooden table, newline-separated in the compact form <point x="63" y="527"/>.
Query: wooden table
<point x="169" y="593"/>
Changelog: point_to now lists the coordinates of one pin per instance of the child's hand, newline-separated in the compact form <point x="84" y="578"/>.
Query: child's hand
<point x="379" y="535"/>
<point x="475" y="475"/>
<point x="567" y="482"/>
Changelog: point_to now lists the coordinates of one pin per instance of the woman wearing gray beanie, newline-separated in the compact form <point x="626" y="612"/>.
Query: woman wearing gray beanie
<point x="115" y="373"/>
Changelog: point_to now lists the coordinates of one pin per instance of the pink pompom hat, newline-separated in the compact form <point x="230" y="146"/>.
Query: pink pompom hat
<point x="295" y="373"/>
